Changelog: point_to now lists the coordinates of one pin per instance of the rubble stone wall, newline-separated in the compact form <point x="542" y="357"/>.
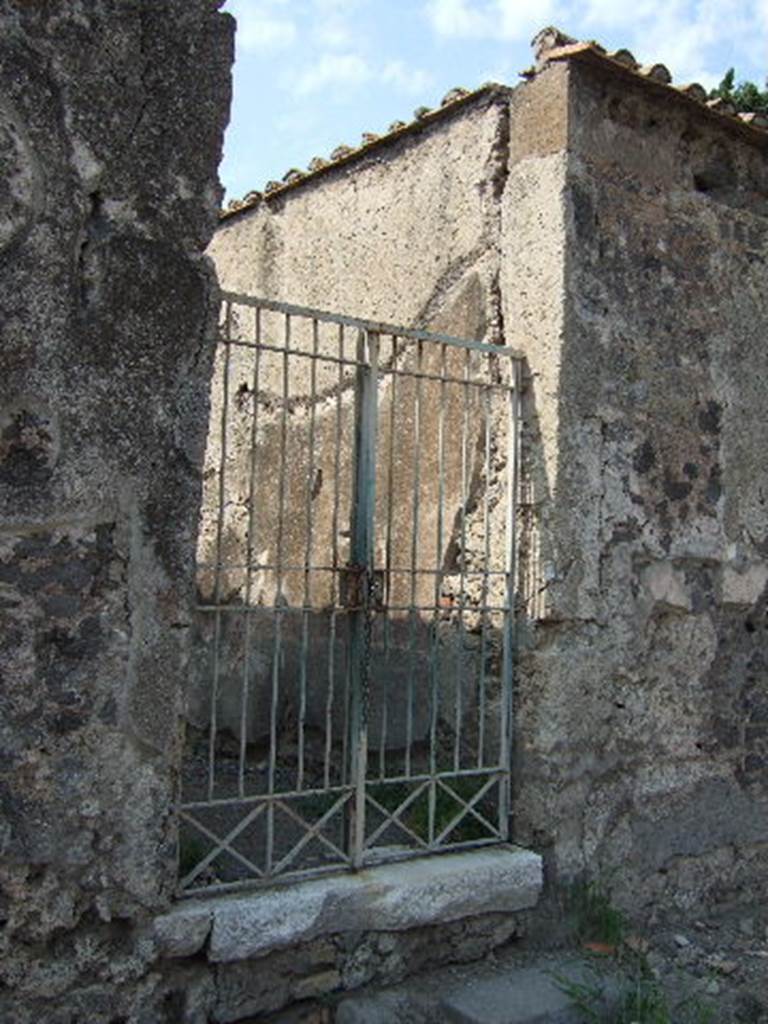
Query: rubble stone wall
<point x="642" y="694"/>
<point x="111" y="121"/>
<point x="613" y="233"/>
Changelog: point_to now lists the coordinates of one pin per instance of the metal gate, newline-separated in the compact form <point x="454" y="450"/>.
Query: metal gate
<point x="349" y="697"/>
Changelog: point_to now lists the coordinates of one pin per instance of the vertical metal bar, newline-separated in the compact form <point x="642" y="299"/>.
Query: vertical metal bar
<point x="513" y="463"/>
<point x="481" y="709"/>
<point x="336" y="588"/>
<point x="250" y="542"/>
<point x="439" y="561"/>
<point x="388" y="561"/>
<point x="413" y="617"/>
<point x="279" y="603"/>
<point x="457" y="702"/>
<point x="219" y="537"/>
<point x="307" y="561"/>
<point x="330" y="693"/>
<point x="361" y="557"/>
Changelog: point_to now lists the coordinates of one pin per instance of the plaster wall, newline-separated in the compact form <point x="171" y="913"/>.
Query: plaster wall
<point x="391" y="236"/>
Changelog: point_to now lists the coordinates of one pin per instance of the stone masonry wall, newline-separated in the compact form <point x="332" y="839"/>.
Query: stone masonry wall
<point x="111" y="120"/>
<point x="642" y="696"/>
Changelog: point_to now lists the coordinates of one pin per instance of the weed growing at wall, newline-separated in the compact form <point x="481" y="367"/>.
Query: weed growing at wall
<point x="618" y="985"/>
<point x="629" y="993"/>
<point x="592" y="916"/>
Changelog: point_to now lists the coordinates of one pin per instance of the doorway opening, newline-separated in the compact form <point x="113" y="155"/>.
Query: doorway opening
<point x="350" y="697"/>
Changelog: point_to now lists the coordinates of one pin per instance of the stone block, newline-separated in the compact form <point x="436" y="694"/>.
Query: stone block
<point x="317" y="985"/>
<point x="529" y="995"/>
<point x="392" y="897"/>
<point x="184" y="930"/>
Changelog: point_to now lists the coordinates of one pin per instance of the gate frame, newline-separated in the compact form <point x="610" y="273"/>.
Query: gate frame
<point x="362" y="533"/>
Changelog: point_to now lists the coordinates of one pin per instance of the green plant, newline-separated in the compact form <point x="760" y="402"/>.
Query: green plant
<point x="745" y="97"/>
<point x="627" y="992"/>
<point x="592" y="915"/>
<point x="589" y="998"/>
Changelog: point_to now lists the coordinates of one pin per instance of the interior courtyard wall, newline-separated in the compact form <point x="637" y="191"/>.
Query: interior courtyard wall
<point x="111" y="123"/>
<point x="407" y="233"/>
<point x="387" y="236"/>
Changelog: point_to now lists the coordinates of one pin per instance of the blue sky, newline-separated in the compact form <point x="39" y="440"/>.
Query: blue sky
<point x="311" y="74"/>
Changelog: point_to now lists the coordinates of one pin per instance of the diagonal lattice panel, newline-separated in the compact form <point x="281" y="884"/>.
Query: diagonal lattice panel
<point x="220" y="845"/>
<point x="315" y="847"/>
<point x="404" y="816"/>
<point x="462" y="811"/>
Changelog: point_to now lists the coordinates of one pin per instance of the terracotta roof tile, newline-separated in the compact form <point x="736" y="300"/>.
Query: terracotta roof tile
<point x="453" y="95"/>
<point x="658" y="72"/>
<point x="695" y="91"/>
<point x="625" y="57"/>
<point x="721" y="106"/>
<point x="756" y="118"/>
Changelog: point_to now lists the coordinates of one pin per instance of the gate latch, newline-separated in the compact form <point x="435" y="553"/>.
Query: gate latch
<point x="358" y="582"/>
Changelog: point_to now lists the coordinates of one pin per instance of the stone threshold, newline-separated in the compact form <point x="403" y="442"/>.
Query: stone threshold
<point x="388" y="897"/>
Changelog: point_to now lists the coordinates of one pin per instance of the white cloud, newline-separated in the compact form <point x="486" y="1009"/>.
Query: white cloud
<point x="690" y="36"/>
<point x="333" y="23"/>
<point x="489" y="19"/>
<point x="406" y="78"/>
<point x="332" y="69"/>
<point x="687" y="35"/>
<point x="261" y="26"/>
<point x="520" y="20"/>
<point x="334" y="34"/>
<point x="456" y="18"/>
<point x="334" y="6"/>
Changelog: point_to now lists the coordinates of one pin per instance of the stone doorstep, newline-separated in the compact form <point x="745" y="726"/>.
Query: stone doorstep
<point x="484" y="994"/>
<point x="388" y="897"/>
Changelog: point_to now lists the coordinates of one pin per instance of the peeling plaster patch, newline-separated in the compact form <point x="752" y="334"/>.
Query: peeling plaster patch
<point x="666" y="588"/>
<point x="20" y="177"/>
<point x="183" y="188"/>
<point x="123" y="212"/>
<point x="743" y="588"/>
<point x="29" y="442"/>
<point x="87" y="166"/>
